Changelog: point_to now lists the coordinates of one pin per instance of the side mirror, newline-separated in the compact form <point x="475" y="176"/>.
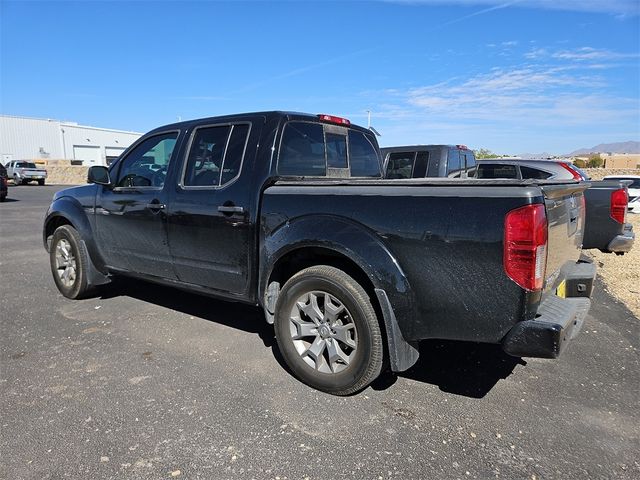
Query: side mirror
<point x="99" y="174"/>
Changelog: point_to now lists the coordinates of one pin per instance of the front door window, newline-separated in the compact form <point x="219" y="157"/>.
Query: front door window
<point x="146" y="165"/>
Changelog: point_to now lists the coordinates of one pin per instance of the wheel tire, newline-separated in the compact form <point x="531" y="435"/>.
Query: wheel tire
<point x="41" y="182"/>
<point x="364" y="361"/>
<point x="67" y="238"/>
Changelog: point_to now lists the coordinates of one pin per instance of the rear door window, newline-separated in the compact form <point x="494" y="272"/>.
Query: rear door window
<point x="215" y="156"/>
<point x="400" y="165"/>
<point x="235" y="153"/>
<point x="204" y="164"/>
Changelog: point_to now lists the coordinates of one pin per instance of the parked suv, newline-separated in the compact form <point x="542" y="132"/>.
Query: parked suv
<point x="606" y="226"/>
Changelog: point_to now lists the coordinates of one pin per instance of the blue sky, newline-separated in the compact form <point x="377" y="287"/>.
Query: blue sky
<point x="511" y="76"/>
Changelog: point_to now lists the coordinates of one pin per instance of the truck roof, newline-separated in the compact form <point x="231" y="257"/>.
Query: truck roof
<point x="417" y="147"/>
<point x="243" y="116"/>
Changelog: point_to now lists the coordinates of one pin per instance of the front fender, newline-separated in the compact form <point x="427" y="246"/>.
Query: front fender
<point x="351" y="239"/>
<point x="66" y="209"/>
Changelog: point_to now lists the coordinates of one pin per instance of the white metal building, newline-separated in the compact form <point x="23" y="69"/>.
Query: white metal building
<point x="23" y="138"/>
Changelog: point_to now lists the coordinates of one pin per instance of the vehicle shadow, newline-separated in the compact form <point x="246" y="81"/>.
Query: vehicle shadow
<point x="460" y="368"/>
<point x="9" y="200"/>
<point x="236" y="315"/>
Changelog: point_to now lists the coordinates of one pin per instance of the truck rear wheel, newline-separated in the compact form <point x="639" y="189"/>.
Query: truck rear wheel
<point x="41" y="182"/>
<point x="328" y="331"/>
<point x="69" y="263"/>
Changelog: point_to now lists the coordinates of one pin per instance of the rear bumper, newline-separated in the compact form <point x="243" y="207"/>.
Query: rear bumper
<point x="623" y="243"/>
<point x="558" y="321"/>
<point x="33" y="176"/>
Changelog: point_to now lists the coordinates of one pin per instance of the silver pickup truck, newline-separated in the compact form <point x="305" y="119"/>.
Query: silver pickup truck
<point x="22" y="172"/>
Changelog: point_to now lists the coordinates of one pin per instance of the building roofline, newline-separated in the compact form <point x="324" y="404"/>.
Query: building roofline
<point x="68" y="123"/>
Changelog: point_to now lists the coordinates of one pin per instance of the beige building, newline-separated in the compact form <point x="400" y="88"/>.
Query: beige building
<point x="621" y="160"/>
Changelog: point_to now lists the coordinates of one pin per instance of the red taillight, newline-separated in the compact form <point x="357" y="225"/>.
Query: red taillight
<point x="334" y="119"/>
<point x="619" y="203"/>
<point x="525" y="246"/>
<point x="574" y="173"/>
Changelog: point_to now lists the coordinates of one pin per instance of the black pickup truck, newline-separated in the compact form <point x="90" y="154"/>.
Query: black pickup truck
<point x="290" y="212"/>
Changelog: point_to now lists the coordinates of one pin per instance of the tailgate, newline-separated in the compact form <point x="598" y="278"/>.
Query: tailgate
<point x="565" y="208"/>
<point x="600" y="226"/>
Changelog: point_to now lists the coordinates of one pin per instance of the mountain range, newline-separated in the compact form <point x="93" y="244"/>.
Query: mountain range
<point x="619" y="147"/>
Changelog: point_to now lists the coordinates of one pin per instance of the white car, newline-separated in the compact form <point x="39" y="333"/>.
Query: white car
<point x="634" y="190"/>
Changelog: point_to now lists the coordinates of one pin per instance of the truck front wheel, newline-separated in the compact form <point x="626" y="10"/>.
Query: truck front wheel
<point x="328" y="331"/>
<point x="69" y="263"/>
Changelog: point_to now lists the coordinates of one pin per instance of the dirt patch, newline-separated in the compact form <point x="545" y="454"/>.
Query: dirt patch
<point x="66" y="174"/>
<point x="621" y="274"/>
<point x="600" y="173"/>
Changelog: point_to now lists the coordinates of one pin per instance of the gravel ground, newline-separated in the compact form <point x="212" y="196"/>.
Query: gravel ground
<point x="621" y="274"/>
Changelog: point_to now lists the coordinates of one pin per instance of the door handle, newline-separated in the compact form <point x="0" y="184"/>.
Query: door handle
<point x="230" y="209"/>
<point x="156" y="206"/>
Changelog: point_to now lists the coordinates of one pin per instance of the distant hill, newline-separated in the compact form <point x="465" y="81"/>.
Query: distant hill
<point x="620" y="147"/>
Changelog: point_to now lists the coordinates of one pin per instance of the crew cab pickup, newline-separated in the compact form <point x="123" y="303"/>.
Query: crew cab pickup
<point x="24" y="172"/>
<point x="289" y="211"/>
<point x="606" y="227"/>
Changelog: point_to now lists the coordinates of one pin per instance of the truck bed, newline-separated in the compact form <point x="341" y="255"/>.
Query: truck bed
<point x="447" y="237"/>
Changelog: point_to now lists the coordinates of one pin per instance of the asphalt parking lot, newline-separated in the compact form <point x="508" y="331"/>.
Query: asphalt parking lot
<point x="149" y="382"/>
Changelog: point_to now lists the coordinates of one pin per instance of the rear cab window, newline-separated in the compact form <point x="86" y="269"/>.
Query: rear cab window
<point x="454" y="166"/>
<point x="468" y="162"/>
<point x="25" y="165"/>
<point x="400" y="165"/>
<point x="461" y="163"/>
<point x="311" y="149"/>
